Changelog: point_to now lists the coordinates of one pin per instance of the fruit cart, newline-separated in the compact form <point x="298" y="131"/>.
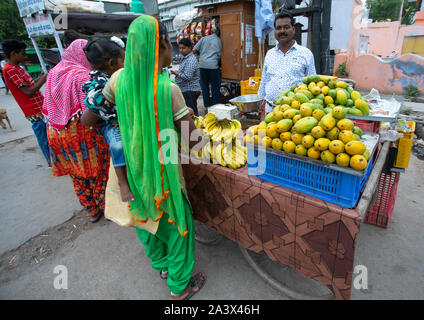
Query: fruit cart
<point x="315" y="238"/>
<point x="301" y="208"/>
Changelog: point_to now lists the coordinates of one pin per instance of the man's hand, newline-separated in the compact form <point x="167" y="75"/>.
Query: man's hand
<point x="174" y="72"/>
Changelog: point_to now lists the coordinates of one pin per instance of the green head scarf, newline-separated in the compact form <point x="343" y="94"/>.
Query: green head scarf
<point x="144" y="107"/>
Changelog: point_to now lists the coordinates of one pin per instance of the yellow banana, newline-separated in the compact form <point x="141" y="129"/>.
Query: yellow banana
<point x="227" y="154"/>
<point x="219" y="154"/>
<point x="209" y="126"/>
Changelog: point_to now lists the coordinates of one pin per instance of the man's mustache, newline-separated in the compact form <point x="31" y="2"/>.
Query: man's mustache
<point x="283" y="35"/>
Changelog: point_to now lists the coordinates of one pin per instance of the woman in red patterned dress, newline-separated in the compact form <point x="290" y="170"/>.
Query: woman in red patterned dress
<point x="76" y="150"/>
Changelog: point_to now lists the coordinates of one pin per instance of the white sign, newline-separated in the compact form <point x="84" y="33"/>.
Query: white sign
<point x="39" y="25"/>
<point x="28" y="7"/>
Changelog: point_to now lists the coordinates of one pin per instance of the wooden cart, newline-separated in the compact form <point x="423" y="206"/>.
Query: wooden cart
<point x="315" y="238"/>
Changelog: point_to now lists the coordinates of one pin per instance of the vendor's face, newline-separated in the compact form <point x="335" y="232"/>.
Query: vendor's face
<point x="284" y="30"/>
<point x="184" y="50"/>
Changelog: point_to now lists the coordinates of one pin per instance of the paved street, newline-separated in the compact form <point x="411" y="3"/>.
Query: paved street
<point x="41" y="227"/>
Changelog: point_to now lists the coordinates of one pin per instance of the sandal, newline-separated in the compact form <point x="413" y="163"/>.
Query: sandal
<point x="197" y="280"/>
<point x="95" y="217"/>
<point x="163" y="275"/>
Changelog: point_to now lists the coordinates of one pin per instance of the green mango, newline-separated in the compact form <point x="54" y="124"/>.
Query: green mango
<point x="332" y="93"/>
<point x="356" y="111"/>
<point x="317" y="101"/>
<point x="304" y="125"/>
<point x="357" y="130"/>
<point x="317" y="106"/>
<point x="332" y="84"/>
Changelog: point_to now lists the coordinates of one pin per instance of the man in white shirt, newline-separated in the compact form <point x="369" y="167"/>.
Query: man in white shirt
<point x="285" y="64"/>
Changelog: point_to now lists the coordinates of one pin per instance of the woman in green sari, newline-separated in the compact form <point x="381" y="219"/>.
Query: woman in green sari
<point x="149" y="106"/>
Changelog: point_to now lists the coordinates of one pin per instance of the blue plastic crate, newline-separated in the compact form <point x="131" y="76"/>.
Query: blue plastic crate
<point x="325" y="183"/>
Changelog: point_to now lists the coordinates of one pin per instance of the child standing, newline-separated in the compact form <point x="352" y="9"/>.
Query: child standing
<point x="106" y="57"/>
<point x="26" y="91"/>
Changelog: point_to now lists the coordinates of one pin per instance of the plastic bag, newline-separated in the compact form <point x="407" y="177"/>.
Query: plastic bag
<point x="187" y="31"/>
<point x="382" y="107"/>
<point x="373" y="96"/>
<point x="390" y="135"/>
<point x="193" y="27"/>
<point x="199" y="29"/>
<point x="213" y="25"/>
<point x="182" y="19"/>
<point x="208" y="28"/>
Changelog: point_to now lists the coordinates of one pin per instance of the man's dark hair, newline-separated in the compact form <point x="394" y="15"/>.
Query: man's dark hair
<point x="12" y="45"/>
<point x="69" y="36"/>
<point x="283" y="15"/>
<point x="217" y="31"/>
<point x="186" y="42"/>
<point x="101" y="50"/>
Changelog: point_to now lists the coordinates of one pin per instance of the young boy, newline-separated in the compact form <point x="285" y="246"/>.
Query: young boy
<point x="26" y="91"/>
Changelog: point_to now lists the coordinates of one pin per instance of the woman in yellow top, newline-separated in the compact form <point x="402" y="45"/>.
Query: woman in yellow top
<point x="149" y="106"/>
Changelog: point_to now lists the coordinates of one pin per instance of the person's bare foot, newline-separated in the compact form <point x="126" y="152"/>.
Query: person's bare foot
<point x="126" y="194"/>
<point x="95" y="217"/>
<point x="196" y="283"/>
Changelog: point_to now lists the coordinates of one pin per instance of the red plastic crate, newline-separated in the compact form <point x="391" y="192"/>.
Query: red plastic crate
<point x="368" y="126"/>
<point x="382" y="210"/>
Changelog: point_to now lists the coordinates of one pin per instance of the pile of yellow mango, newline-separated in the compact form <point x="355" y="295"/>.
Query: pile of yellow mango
<point x="325" y="93"/>
<point x="313" y="133"/>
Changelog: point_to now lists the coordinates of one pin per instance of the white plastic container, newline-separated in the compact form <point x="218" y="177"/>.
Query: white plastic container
<point x="225" y="111"/>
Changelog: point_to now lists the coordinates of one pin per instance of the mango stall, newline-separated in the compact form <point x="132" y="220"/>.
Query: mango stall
<point x="296" y="186"/>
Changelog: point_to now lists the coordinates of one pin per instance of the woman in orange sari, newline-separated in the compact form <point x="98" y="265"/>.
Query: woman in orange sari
<point x="78" y="151"/>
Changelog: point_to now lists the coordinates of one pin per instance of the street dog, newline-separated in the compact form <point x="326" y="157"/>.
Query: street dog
<point x="3" y="116"/>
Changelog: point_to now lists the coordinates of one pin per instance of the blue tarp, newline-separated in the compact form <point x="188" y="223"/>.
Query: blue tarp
<point x="264" y="18"/>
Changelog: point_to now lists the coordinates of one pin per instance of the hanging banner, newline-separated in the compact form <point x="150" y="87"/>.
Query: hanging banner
<point x="39" y="25"/>
<point x="28" y="7"/>
<point x="249" y="38"/>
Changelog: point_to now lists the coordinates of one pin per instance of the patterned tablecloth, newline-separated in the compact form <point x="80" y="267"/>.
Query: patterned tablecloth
<point x="314" y="237"/>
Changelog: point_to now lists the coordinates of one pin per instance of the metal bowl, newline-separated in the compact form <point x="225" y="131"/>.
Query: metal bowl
<point x="247" y="103"/>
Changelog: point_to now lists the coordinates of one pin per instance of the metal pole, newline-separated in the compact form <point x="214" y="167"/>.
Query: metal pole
<point x="401" y="11"/>
<point x="56" y="35"/>
<point x="325" y="36"/>
<point x="58" y="42"/>
<point x="316" y="35"/>
<point x="40" y="57"/>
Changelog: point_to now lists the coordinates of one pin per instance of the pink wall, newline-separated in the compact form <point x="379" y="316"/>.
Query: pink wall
<point x="385" y="39"/>
<point x="370" y="72"/>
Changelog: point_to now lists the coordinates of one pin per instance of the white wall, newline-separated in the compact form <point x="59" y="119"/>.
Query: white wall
<point x="341" y="15"/>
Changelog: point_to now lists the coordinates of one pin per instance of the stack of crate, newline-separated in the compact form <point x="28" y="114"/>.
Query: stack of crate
<point x="251" y="86"/>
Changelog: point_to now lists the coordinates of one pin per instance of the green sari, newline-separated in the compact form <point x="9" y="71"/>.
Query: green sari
<point x="144" y="107"/>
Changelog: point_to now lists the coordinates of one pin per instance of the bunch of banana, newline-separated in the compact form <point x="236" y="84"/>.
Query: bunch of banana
<point x="198" y="122"/>
<point x="230" y="155"/>
<point x="226" y="130"/>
